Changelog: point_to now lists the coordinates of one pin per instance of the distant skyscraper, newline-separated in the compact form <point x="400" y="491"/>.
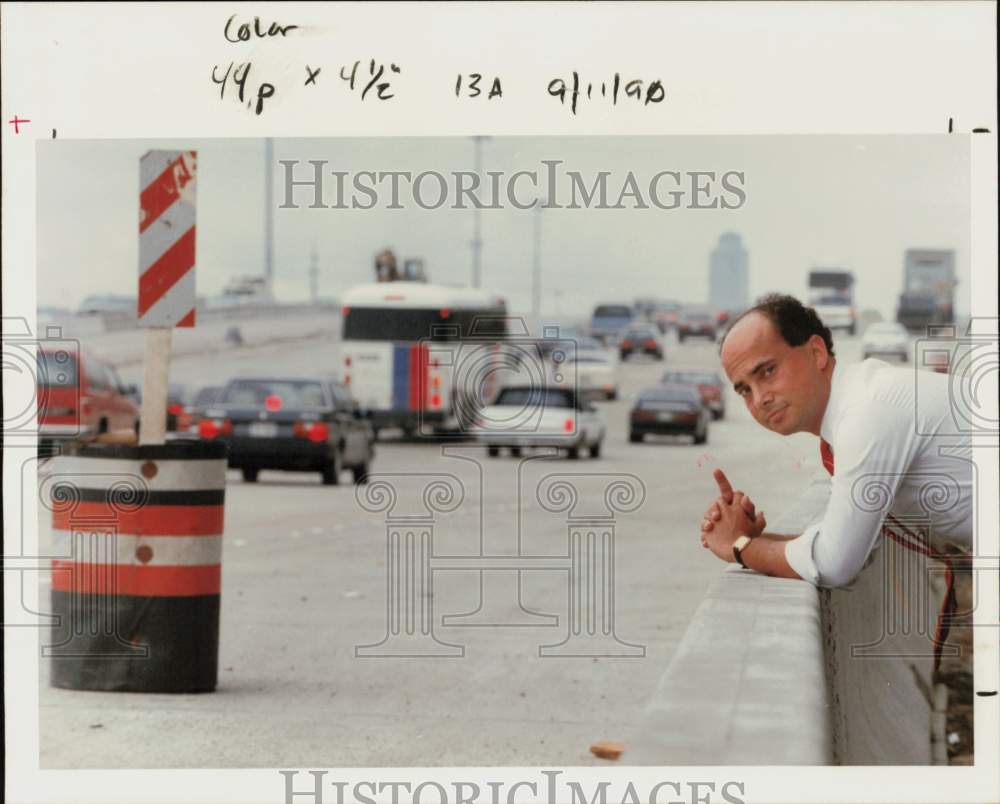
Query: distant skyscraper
<point x="728" y="278"/>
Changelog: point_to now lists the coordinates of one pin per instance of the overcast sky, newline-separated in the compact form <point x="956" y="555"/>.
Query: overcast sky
<point x="857" y="202"/>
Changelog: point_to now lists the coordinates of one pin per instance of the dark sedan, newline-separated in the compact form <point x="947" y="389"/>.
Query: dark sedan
<point x="696" y="323"/>
<point x="668" y="410"/>
<point x="709" y="384"/>
<point x="644" y="339"/>
<point x="295" y="424"/>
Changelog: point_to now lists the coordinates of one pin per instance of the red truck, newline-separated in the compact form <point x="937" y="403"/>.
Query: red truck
<point x="80" y="395"/>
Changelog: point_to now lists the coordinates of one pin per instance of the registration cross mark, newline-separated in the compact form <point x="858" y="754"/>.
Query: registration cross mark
<point x="16" y="122"/>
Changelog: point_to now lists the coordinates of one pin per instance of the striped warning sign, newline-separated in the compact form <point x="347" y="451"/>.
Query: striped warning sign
<point x="167" y="238"/>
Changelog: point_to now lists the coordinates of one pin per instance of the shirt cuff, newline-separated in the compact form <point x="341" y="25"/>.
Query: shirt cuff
<point x="799" y="554"/>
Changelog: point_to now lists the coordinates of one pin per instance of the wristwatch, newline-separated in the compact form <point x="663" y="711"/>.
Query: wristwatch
<point x="738" y="547"/>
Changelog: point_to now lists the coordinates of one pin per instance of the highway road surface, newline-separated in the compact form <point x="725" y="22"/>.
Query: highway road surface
<point x="305" y="583"/>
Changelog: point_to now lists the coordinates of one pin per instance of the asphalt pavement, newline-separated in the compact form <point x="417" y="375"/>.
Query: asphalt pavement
<point x="305" y="583"/>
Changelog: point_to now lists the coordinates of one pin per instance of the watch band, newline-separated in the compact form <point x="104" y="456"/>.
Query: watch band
<point x="738" y="547"/>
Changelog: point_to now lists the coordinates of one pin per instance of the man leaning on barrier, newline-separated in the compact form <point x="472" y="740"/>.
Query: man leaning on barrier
<point x="779" y="357"/>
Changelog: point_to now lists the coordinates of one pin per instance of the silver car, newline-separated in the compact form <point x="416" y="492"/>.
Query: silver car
<point x="886" y="339"/>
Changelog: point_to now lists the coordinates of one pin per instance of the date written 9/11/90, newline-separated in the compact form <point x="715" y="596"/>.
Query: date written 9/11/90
<point x="373" y="80"/>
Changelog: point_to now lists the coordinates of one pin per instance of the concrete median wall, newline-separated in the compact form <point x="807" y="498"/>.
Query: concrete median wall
<point x="257" y="326"/>
<point x="776" y="672"/>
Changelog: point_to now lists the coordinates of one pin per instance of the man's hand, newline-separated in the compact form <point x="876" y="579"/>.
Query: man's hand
<point x="729" y="498"/>
<point x="732" y="523"/>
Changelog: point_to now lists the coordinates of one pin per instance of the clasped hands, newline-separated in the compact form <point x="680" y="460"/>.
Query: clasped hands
<point x="731" y="515"/>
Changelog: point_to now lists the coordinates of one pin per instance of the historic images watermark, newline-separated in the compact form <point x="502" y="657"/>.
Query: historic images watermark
<point x="315" y="185"/>
<point x="590" y="504"/>
<point x="546" y="788"/>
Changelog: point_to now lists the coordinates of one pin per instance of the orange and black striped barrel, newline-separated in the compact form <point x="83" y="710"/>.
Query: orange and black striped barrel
<point x="136" y="577"/>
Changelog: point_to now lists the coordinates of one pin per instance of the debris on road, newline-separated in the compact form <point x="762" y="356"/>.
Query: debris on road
<point x="607" y="749"/>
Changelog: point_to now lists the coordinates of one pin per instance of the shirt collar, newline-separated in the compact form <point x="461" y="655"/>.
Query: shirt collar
<point x="834" y="403"/>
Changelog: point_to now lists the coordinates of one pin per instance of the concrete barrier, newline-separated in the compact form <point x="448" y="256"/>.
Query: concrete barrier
<point x="776" y="672"/>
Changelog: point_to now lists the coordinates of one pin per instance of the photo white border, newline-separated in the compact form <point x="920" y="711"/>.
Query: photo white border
<point x="142" y="71"/>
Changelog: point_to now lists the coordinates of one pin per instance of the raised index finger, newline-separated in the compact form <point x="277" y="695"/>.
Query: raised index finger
<point x="725" y="487"/>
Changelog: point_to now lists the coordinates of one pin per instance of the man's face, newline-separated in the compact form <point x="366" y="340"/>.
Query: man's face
<point x="784" y="387"/>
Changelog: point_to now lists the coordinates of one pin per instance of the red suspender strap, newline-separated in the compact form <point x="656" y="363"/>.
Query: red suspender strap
<point x="914" y="542"/>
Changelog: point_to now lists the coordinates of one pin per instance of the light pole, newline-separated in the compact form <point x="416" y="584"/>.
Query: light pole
<point x="536" y="272"/>
<point x="313" y="275"/>
<point x="477" y="240"/>
<point x="269" y="213"/>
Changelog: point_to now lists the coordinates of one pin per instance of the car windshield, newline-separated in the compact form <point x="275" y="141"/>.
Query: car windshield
<point x="206" y="396"/>
<point x="669" y="394"/>
<point x="612" y="311"/>
<point x="274" y="394"/>
<point x="691" y="378"/>
<point x="56" y="369"/>
<point x="534" y="397"/>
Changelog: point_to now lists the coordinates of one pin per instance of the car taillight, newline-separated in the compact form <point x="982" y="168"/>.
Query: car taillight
<point x="174" y="409"/>
<point x="436" y="401"/>
<point x="639" y="414"/>
<point x="650" y="344"/>
<point x="569" y="425"/>
<point x="213" y="428"/>
<point x="626" y="344"/>
<point x="314" y="431"/>
<point x="347" y="360"/>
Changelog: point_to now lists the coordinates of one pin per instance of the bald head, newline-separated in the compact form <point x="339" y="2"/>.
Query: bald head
<point x="785" y="387"/>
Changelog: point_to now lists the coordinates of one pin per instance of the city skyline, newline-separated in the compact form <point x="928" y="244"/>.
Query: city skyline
<point x="857" y="202"/>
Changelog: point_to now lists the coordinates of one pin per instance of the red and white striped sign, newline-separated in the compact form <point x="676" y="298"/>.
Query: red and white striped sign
<point x="166" y="238"/>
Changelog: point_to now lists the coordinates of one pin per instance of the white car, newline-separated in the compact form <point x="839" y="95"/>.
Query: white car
<point x="596" y="375"/>
<point x="884" y="339"/>
<point x="593" y="371"/>
<point x="526" y="416"/>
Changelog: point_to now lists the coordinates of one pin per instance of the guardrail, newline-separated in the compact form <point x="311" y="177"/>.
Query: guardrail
<point x="243" y="312"/>
<point x="773" y="671"/>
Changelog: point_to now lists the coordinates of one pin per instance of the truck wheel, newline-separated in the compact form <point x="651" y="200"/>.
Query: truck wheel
<point x="360" y="474"/>
<point x="573" y="453"/>
<point x="492" y="451"/>
<point x="595" y="450"/>
<point x="515" y="452"/>
<point x="250" y="474"/>
<point x="635" y="438"/>
<point x="701" y="439"/>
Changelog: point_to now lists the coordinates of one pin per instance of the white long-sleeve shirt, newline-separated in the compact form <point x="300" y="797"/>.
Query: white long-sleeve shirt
<point x="897" y="449"/>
